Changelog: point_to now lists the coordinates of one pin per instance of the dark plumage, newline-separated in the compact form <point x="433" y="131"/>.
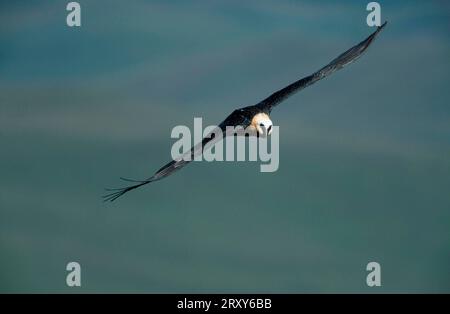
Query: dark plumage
<point x="244" y="117"/>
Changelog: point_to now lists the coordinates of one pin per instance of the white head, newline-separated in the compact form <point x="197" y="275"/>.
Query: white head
<point x="263" y="124"/>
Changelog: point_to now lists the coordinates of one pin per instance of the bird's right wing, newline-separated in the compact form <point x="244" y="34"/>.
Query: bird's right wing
<point x="163" y="172"/>
<point x="338" y="63"/>
<point x="233" y="120"/>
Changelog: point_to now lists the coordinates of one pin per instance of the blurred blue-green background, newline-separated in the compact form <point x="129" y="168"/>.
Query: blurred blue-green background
<point x="364" y="155"/>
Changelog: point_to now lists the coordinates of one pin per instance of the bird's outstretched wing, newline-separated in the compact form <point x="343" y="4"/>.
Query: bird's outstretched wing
<point x="235" y="119"/>
<point x="341" y="61"/>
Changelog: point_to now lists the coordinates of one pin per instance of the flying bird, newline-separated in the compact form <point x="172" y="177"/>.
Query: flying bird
<point x="254" y="119"/>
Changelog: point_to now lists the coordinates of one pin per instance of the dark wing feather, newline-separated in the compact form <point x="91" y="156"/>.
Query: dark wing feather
<point x="234" y="119"/>
<point x="240" y="118"/>
<point x="346" y="58"/>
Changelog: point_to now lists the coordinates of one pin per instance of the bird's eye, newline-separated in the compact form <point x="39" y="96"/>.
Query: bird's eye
<point x="261" y="124"/>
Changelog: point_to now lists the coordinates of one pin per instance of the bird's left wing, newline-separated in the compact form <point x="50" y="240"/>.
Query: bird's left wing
<point x="233" y="120"/>
<point x="338" y="63"/>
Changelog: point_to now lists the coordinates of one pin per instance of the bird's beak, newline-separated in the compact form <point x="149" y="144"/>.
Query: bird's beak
<point x="261" y="130"/>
